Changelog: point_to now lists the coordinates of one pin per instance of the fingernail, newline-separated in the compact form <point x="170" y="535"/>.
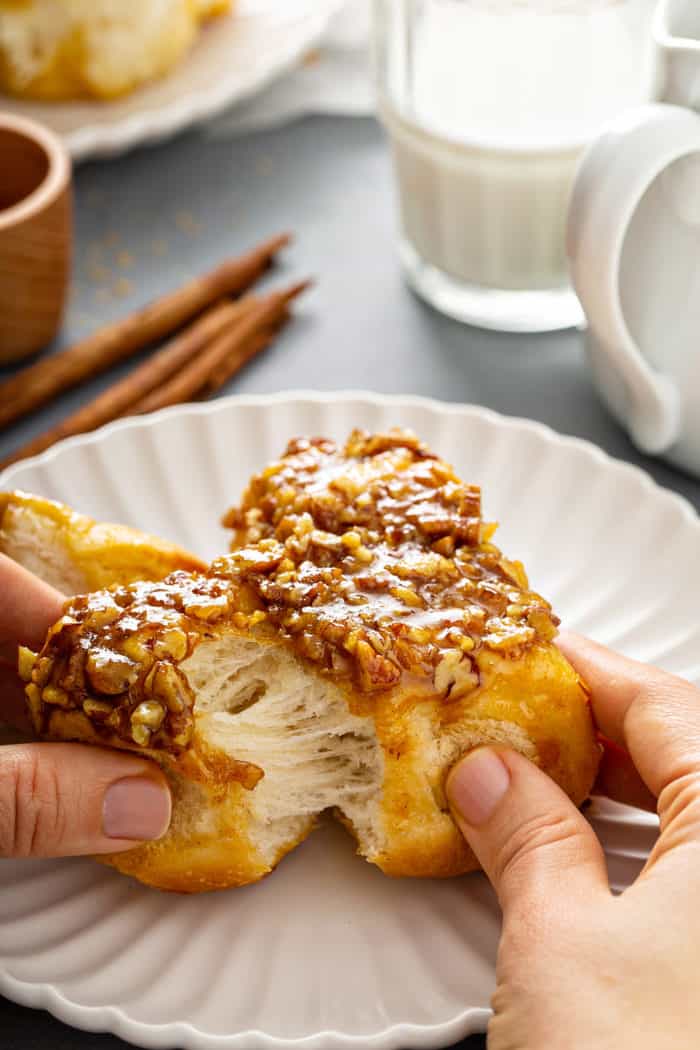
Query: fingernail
<point x="477" y="784"/>
<point x="136" y="808"/>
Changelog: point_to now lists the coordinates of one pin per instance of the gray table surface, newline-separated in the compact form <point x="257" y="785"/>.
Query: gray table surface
<point x="146" y="221"/>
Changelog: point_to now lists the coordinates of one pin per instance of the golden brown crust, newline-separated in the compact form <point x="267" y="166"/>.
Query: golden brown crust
<point x="536" y="704"/>
<point x="65" y="547"/>
<point x="216" y="863"/>
<point x="374" y="568"/>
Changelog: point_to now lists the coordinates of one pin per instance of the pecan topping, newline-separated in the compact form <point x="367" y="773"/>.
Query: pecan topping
<point x="415" y="565"/>
<point x="373" y="563"/>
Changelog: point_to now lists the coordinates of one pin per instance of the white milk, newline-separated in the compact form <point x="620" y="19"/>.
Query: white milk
<point x="489" y="104"/>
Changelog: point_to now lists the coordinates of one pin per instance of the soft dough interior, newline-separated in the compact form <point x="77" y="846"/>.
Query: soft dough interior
<point x="34" y="543"/>
<point x="258" y="704"/>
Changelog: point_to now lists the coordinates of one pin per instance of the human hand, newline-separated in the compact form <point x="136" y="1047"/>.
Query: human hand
<point x="578" y="968"/>
<point x="63" y="799"/>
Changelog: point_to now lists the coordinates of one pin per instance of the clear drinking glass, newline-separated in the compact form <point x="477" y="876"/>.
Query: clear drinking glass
<point x="489" y="105"/>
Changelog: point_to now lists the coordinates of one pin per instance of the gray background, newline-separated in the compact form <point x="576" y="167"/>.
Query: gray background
<point x="149" y="220"/>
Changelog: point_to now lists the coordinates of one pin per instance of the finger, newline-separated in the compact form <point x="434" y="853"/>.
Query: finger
<point x="653" y="715"/>
<point x="8" y="652"/>
<point x="619" y="780"/>
<point x="526" y="833"/>
<point x="61" y="800"/>
<point x="28" y="607"/>
<point x="13" y="708"/>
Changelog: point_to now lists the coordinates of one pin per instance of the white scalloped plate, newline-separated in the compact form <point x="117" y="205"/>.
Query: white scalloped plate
<point x="327" y="953"/>
<point x="235" y="56"/>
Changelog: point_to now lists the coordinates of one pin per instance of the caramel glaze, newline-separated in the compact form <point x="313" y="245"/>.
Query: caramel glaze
<point x="373" y="563"/>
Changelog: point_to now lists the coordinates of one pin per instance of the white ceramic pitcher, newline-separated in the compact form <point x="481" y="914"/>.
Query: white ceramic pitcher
<point x="634" y="251"/>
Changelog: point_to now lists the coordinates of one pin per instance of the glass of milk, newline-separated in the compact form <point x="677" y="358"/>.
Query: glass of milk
<point x="489" y="105"/>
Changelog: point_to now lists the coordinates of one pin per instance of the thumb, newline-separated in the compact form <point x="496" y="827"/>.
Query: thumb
<point x="59" y="800"/>
<point x="526" y="833"/>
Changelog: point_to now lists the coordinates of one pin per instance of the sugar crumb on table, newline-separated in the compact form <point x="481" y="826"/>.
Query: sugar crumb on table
<point x="122" y="287"/>
<point x="125" y="260"/>
<point x="186" y="223"/>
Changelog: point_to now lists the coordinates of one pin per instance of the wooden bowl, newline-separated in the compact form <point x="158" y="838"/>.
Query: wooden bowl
<point x="35" y="236"/>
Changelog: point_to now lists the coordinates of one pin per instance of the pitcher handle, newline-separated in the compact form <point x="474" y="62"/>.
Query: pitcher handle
<point x="615" y="173"/>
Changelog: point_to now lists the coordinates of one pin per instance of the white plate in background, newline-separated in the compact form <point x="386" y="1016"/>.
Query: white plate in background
<point x="235" y="56"/>
<point x="327" y="953"/>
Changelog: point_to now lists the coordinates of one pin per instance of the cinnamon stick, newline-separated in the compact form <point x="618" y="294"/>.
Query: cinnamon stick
<point x="117" y="400"/>
<point x="233" y="364"/>
<point x="234" y="346"/>
<point x="32" y="387"/>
